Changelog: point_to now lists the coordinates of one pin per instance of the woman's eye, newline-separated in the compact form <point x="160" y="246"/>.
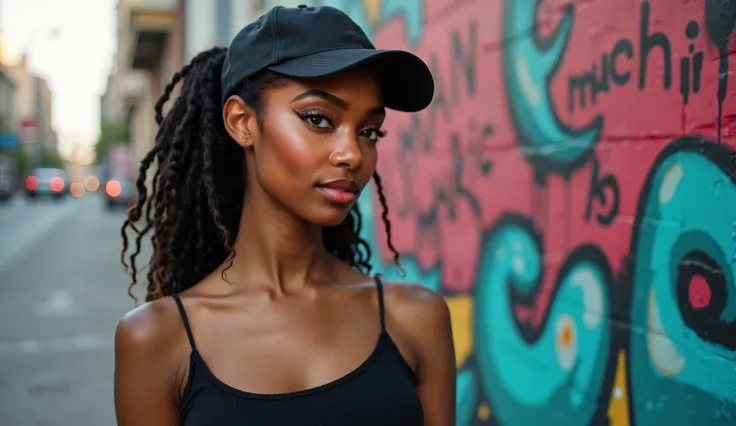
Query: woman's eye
<point x="372" y="134"/>
<point x="317" y="120"/>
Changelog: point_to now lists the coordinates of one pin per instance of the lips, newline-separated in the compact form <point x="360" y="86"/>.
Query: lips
<point x="341" y="185"/>
<point x="340" y="191"/>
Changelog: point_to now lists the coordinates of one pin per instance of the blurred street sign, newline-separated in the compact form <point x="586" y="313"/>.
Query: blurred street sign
<point x="8" y="141"/>
<point x="28" y="131"/>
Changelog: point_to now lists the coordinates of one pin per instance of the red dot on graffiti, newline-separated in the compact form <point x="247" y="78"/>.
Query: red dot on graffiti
<point x="699" y="292"/>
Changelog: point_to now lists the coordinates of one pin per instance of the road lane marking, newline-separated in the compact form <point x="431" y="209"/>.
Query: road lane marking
<point x="58" y="304"/>
<point x="79" y="343"/>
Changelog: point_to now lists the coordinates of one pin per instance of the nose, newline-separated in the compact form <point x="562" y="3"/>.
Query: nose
<point x="347" y="154"/>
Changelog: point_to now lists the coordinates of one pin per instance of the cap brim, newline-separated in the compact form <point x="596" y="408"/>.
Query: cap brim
<point x="406" y="81"/>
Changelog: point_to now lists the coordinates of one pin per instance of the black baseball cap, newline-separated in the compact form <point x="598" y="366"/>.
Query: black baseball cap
<point x="304" y="42"/>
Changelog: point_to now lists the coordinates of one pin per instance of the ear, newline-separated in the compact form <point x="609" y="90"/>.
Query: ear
<point x="240" y="121"/>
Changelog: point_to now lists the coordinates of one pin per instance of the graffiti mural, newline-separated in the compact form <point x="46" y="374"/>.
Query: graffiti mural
<point x="572" y="192"/>
<point x="683" y="291"/>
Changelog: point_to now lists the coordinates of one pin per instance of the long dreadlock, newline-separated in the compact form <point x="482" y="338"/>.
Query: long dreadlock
<point x="194" y="207"/>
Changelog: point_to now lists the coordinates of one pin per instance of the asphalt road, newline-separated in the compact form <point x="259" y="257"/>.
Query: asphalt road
<point x="62" y="291"/>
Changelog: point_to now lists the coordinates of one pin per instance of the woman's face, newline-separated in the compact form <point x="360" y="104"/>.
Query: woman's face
<point x="316" y="149"/>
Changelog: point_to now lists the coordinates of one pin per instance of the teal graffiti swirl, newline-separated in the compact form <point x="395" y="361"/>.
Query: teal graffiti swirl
<point x="682" y="348"/>
<point x="530" y="62"/>
<point x="553" y="376"/>
<point x="466" y="397"/>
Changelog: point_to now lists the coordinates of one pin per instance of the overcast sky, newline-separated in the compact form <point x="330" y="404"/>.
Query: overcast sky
<point x="75" y="64"/>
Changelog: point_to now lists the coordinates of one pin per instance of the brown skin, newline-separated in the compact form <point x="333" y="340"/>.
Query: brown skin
<point x="287" y="301"/>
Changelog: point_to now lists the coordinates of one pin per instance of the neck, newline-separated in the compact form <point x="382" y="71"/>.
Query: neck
<point x="276" y="251"/>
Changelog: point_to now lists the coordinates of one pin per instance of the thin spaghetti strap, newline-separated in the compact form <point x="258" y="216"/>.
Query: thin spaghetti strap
<point x="185" y="320"/>
<point x="379" y="288"/>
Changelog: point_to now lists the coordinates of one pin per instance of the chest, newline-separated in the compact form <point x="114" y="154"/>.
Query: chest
<point x="284" y="354"/>
<point x="379" y="392"/>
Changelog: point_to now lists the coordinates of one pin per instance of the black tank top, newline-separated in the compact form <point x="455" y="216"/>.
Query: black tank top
<point x="379" y="392"/>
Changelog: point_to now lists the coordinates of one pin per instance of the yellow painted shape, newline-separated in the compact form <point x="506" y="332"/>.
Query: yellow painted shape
<point x="618" y="408"/>
<point x="484" y="412"/>
<point x="461" y="312"/>
<point x="373" y="10"/>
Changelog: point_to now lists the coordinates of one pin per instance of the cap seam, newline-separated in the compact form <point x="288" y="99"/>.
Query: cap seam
<point x="320" y="51"/>
<point x="275" y="30"/>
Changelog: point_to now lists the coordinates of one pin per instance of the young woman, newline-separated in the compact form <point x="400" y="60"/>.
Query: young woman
<point x="260" y="307"/>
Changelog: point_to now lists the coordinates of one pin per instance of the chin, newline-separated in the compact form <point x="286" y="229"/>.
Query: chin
<point x="328" y="216"/>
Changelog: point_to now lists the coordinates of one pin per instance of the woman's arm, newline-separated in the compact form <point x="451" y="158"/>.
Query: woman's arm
<point x="146" y="393"/>
<point x="424" y="319"/>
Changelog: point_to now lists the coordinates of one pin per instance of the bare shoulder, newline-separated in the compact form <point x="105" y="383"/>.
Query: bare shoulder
<point x="422" y="319"/>
<point x="413" y="304"/>
<point x="148" y="364"/>
<point x="154" y="327"/>
<point x="418" y="319"/>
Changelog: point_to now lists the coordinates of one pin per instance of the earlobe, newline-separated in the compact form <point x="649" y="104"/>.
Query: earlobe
<point x="236" y="116"/>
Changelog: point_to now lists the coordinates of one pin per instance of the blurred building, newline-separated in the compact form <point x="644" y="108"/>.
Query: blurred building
<point x="211" y="23"/>
<point x="149" y="51"/>
<point x="154" y="39"/>
<point x="32" y="104"/>
<point x="7" y="102"/>
<point x="215" y="22"/>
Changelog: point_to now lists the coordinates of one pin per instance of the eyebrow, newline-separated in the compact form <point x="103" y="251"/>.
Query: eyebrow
<point x="377" y="111"/>
<point x="338" y="102"/>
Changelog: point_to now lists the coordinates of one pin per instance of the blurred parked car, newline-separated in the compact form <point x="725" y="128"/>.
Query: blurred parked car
<point x="47" y="182"/>
<point x="116" y="171"/>
<point x="119" y="194"/>
<point x="7" y="181"/>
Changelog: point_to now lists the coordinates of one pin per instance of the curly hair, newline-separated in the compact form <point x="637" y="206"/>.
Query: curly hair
<point x="194" y="206"/>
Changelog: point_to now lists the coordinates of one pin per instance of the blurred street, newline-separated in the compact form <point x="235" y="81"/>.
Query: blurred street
<point x="62" y="291"/>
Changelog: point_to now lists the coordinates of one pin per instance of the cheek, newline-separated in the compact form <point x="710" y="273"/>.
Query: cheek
<point x="286" y="141"/>
<point x="287" y="155"/>
<point x="370" y="155"/>
<point x="370" y="160"/>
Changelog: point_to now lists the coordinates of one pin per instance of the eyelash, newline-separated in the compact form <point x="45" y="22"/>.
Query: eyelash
<point x="306" y="116"/>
